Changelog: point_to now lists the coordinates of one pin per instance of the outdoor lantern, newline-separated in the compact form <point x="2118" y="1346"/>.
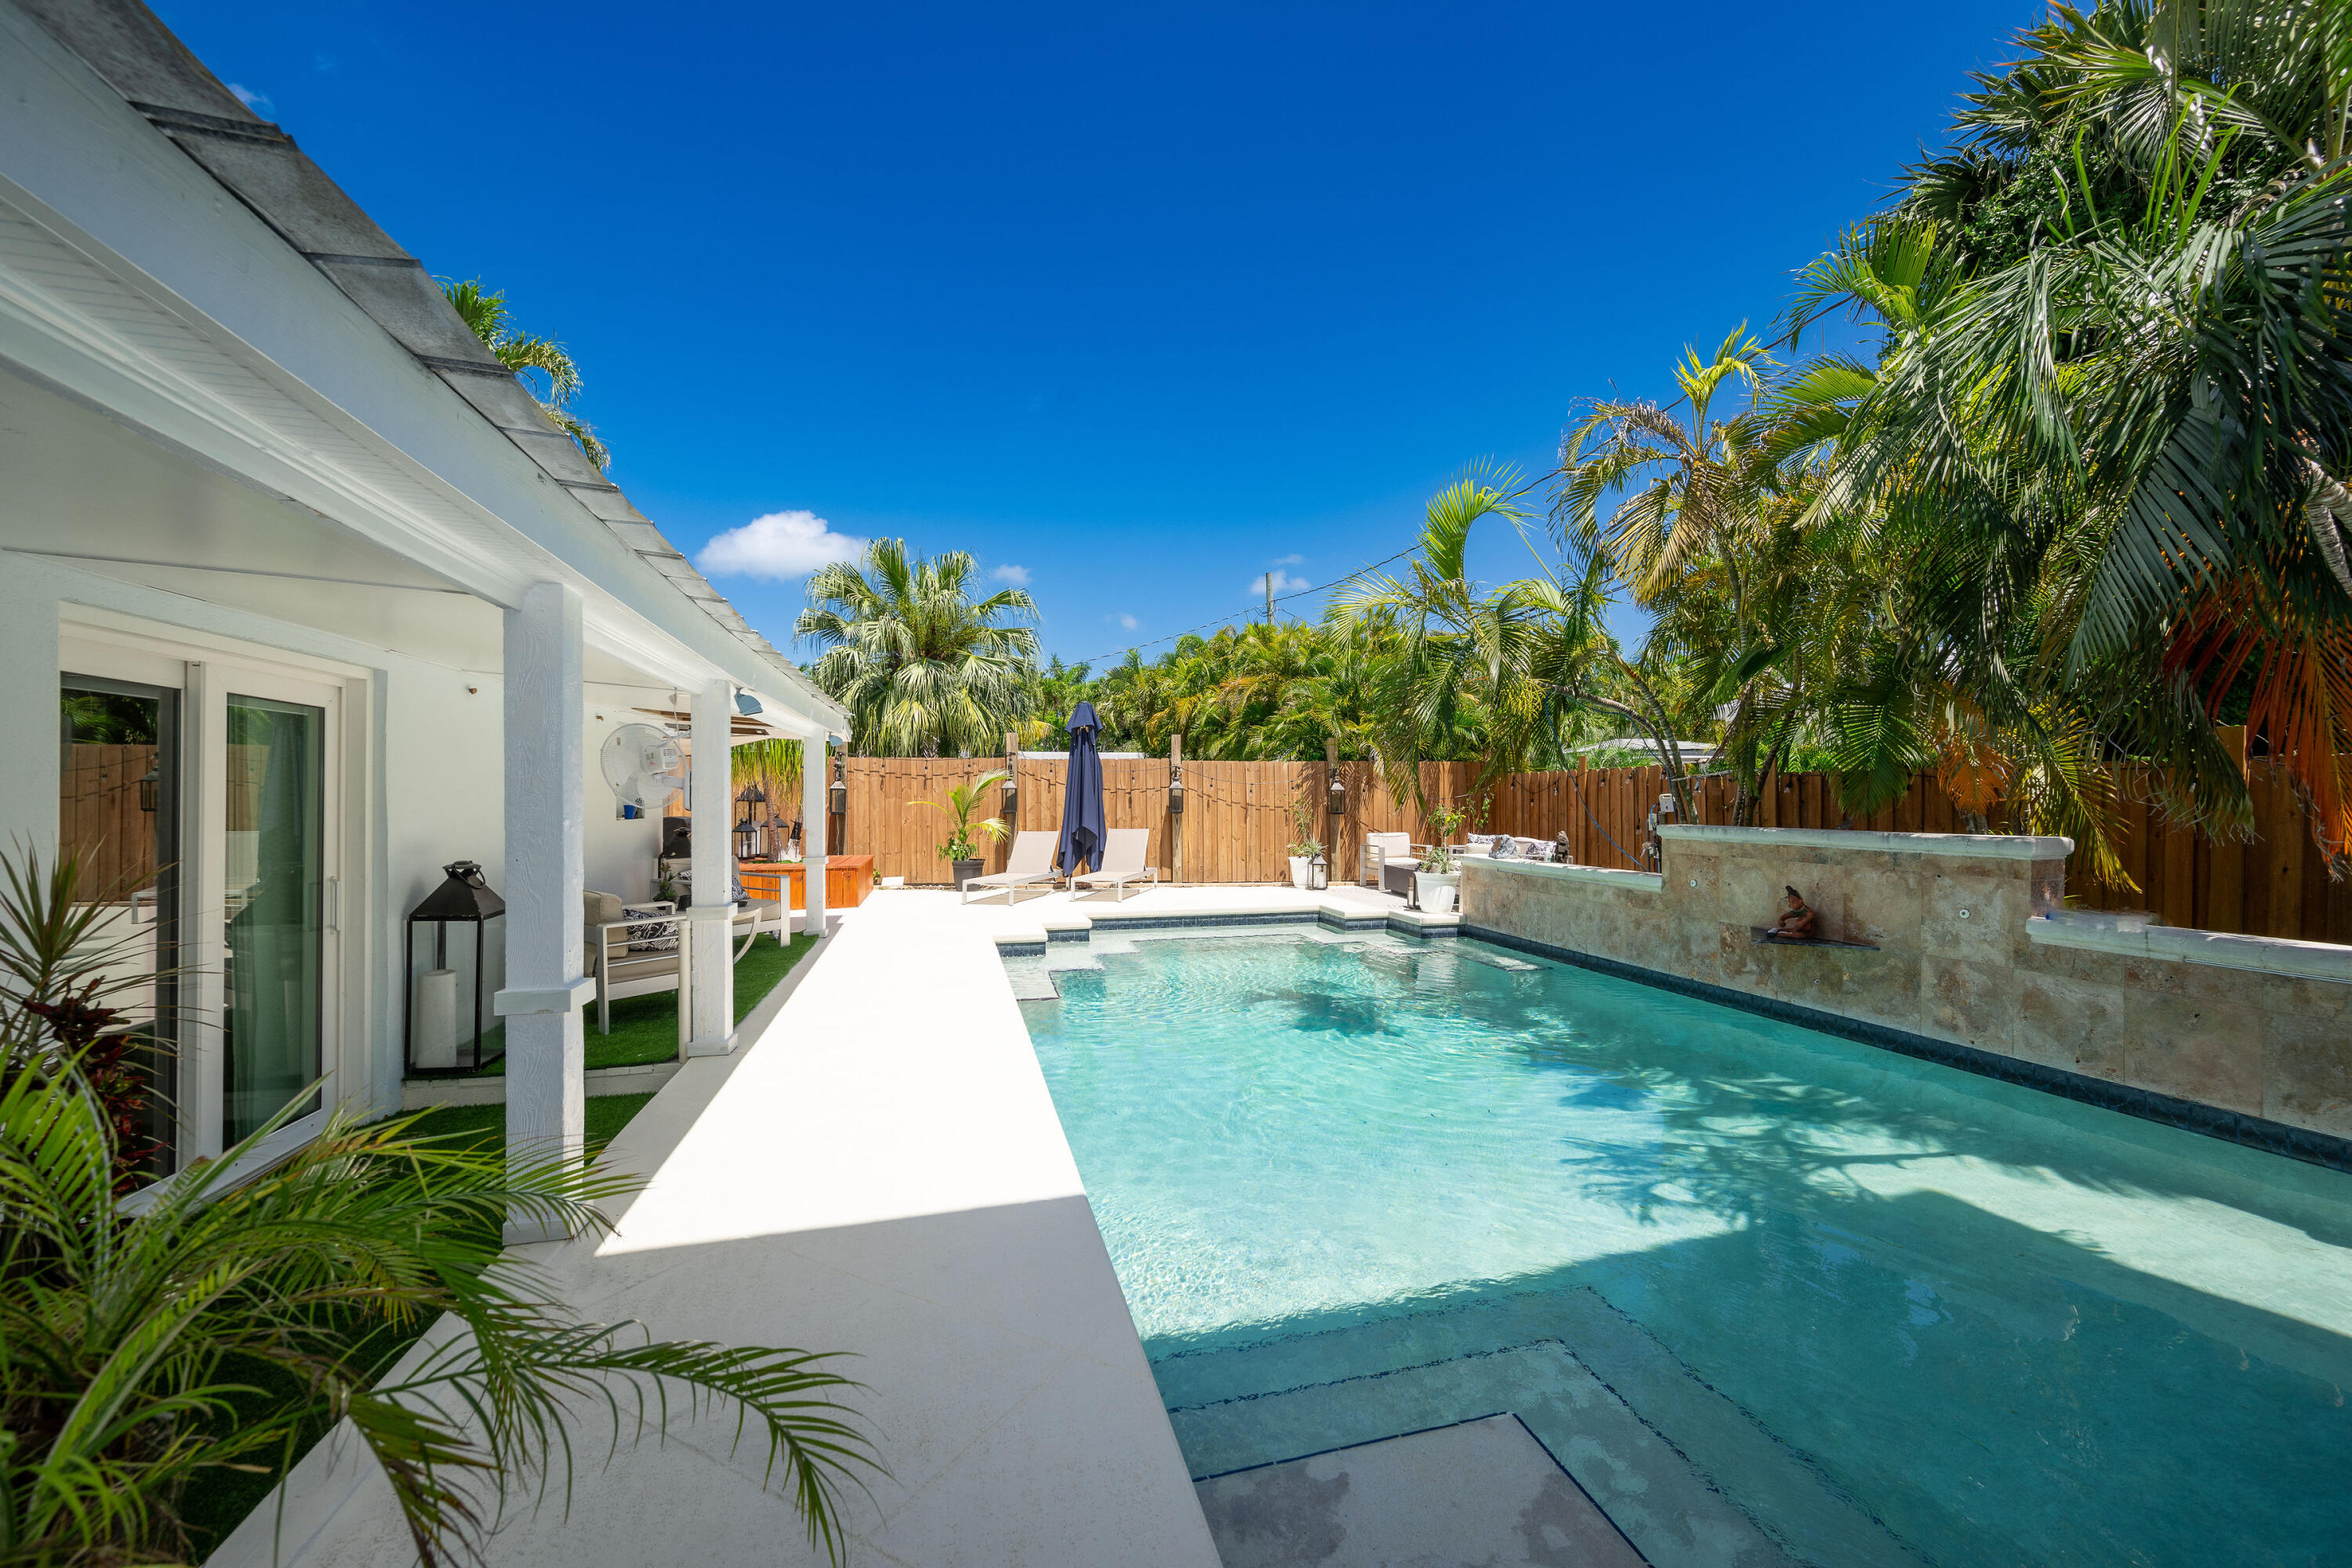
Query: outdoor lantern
<point x="837" y="801"/>
<point x="150" y="783"/>
<point x="1318" y="874"/>
<point x="746" y="830"/>
<point x="1176" y="792"/>
<point x="447" y="988"/>
<point x="1338" y="796"/>
<point x="1011" y="793"/>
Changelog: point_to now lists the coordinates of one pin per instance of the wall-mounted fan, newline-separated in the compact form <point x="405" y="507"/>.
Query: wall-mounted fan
<point x="644" y="764"/>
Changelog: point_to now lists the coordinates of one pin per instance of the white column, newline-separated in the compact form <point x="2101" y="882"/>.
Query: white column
<point x="710" y="992"/>
<point x="815" y="775"/>
<point x="546" y="858"/>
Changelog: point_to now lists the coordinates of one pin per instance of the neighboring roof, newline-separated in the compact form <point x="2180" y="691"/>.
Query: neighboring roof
<point x="259" y="164"/>
<point x="1635" y="743"/>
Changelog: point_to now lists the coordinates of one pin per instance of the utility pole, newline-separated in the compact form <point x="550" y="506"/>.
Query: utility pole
<point x="1269" y="598"/>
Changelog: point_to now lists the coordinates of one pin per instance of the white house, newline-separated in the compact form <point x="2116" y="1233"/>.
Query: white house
<point x="276" y="527"/>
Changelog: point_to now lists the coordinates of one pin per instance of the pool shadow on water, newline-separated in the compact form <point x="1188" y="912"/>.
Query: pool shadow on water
<point x="2036" y="1402"/>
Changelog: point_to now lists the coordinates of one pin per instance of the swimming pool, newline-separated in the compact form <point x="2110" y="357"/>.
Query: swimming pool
<point x="1874" y="1308"/>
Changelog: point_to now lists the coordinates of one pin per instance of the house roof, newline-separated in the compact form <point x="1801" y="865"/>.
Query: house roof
<point x="258" y="163"/>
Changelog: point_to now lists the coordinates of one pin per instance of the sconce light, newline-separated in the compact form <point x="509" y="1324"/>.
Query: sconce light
<point x="1338" y="796"/>
<point x="1176" y="792"/>
<point x="1011" y="793"/>
<point x="837" y="798"/>
<point x="151" y="784"/>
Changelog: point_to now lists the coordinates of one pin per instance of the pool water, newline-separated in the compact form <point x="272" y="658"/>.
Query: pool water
<point x="1873" y="1309"/>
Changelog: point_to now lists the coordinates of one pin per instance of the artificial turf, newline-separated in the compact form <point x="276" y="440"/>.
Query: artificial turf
<point x="645" y="1029"/>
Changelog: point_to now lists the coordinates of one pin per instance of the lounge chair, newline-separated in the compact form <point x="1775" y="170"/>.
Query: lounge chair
<point x="1126" y="852"/>
<point x="1031" y="861"/>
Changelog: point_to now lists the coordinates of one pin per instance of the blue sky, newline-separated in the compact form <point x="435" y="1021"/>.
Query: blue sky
<point x="1134" y="304"/>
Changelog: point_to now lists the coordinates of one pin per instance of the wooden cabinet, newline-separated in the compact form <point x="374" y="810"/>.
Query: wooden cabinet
<point x="847" y="880"/>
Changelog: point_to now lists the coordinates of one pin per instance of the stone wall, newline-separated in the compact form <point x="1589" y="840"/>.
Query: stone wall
<point x="1966" y="954"/>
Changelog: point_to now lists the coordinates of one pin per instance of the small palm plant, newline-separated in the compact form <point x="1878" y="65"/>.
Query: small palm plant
<point x="142" y="1351"/>
<point x="962" y="801"/>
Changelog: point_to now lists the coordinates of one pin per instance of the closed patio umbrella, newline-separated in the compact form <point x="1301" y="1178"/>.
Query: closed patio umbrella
<point x="1082" y="802"/>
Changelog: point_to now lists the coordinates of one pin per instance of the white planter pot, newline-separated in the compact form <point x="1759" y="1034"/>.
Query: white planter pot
<point x="1437" y="891"/>
<point x="1300" y="876"/>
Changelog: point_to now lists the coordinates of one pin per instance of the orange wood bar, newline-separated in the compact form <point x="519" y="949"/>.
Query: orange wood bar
<point x="847" y="880"/>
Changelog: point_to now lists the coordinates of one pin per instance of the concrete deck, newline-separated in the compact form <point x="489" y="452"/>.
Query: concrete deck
<point x="878" y="1170"/>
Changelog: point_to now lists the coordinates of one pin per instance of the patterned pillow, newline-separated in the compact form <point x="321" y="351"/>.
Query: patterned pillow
<point x="1534" y="849"/>
<point x="649" y="938"/>
<point x="1505" y="848"/>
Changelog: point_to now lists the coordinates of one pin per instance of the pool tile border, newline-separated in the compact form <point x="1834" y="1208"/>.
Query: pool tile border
<point x="2230" y="1126"/>
<point x="1025" y="944"/>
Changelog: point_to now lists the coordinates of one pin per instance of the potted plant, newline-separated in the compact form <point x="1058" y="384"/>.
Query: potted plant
<point x="962" y="801"/>
<point x="1306" y="849"/>
<point x="1437" y="883"/>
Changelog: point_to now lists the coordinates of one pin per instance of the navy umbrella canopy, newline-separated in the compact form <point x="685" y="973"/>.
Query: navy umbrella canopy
<point x="1082" y="802"/>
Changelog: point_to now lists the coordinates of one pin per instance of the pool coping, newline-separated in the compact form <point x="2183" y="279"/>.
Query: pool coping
<point x="1033" y="943"/>
<point x="2213" y="1122"/>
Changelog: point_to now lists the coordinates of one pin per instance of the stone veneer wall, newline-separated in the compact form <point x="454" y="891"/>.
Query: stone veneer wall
<point x="1974" y="962"/>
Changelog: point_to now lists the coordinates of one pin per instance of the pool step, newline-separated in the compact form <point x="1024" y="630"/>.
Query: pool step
<point x="1691" y="1477"/>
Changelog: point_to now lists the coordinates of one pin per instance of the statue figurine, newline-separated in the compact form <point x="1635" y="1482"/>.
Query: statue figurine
<point x="1562" y="851"/>
<point x="1797" y="921"/>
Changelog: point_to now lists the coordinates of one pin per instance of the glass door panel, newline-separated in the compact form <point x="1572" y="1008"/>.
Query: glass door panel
<point x="118" y="813"/>
<point x="273" y="1020"/>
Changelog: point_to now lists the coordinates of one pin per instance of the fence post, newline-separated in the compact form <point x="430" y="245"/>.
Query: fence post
<point x="1176" y="818"/>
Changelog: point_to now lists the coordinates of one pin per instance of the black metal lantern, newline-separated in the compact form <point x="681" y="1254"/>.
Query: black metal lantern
<point x="746" y="829"/>
<point x="447" y="1021"/>
<point x="1011" y="793"/>
<point x="1176" y="792"/>
<point x="150" y="784"/>
<point x="1337" y="796"/>
<point x="1318" y="873"/>
<point x="837" y="798"/>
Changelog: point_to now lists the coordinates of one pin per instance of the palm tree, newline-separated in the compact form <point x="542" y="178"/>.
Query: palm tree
<point x="1513" y="665"/>
<point x="524" y="352"/>
<point x="924" y="668"/>
<point x="141" y="1352"/>
<point x="2113" y="451"/>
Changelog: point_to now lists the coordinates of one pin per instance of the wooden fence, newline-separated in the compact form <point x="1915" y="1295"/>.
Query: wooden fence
<point x="1237" y="824"/>
<point x="97" y="812"/>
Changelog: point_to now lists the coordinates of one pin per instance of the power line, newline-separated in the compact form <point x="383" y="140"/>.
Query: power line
<point x="1222" y="620"/>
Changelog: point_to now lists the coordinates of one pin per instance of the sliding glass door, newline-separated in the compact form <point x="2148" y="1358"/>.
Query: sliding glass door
<point x="276" y="887"/>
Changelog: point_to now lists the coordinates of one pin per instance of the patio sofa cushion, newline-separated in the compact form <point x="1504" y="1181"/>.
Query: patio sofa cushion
<point x="596" y="909"/>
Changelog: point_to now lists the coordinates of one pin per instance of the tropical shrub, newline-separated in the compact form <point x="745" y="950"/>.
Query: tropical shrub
<point x="205" y="1326"/>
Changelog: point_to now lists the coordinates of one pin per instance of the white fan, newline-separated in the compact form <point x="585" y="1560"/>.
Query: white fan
<point x="644" y="764"/>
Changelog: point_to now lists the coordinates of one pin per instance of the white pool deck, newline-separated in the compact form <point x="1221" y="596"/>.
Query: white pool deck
<point x="876" y="1168"/>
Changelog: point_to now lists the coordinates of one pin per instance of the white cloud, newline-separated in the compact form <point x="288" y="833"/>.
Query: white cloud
<point x="256" y="101"/>
<point x="1284" y="582"/>
<point x="1126" y="621"/>
<point x="781" y="545"/>
<point x="1008" y="573"/>
<point x="1287" y="561"/>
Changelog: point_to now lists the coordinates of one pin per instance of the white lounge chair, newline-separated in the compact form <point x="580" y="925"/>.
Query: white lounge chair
<point x="1126" y="852"/>
<point x="1029" y="861"/>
